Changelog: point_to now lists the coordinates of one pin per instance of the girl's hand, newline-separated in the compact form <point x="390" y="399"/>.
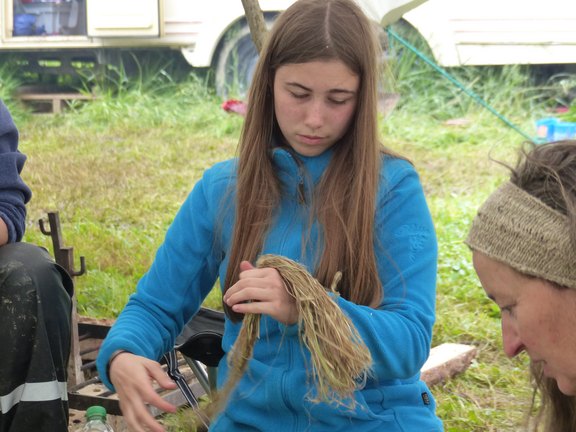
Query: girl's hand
<point x="132" y="377"/>
<point x="262" y="291"/>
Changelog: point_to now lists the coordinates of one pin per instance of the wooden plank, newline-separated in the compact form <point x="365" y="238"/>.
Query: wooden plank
<point x="75" y="373"/>
<point x="446" y="361"/>
<point x="54" y="96"/>
<point x="56" y="99"/>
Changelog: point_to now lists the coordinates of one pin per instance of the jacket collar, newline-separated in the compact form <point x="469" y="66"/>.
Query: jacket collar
<point x="297" y="171"/>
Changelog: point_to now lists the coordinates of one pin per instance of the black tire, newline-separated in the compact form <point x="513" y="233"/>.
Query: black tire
<point x="236" y="62"/>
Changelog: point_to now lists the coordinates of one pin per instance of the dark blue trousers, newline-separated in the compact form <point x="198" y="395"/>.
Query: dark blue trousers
<point x="35" y="313"/>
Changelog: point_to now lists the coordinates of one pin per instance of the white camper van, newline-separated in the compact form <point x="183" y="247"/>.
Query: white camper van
<point x="214" y="33"/>
<point x="208" y="33"/>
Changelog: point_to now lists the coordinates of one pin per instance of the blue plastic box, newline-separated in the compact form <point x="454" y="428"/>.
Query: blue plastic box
<point x="552" y="129"/>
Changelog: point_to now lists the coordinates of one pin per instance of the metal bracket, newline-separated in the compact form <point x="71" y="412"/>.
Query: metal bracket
<point x="64" y="255"/>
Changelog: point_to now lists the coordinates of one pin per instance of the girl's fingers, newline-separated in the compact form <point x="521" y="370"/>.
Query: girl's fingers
<point x="132" y="376"/>
<point x="245" y="266"/>
<point x="139" y="419"/>
<point x="261" y="291"/>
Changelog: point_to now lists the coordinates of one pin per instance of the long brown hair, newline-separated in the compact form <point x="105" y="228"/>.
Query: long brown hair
<point x="548" y="172"/>
<point x="345" y="199"/>
<point x="557" y="411"/>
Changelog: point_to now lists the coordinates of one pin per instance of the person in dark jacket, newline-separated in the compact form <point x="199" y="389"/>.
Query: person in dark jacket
<point x="35" y="309"/>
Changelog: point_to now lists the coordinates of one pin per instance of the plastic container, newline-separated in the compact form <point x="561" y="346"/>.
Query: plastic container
<point x="96" y="420"/>
<point x="552" y="129"/>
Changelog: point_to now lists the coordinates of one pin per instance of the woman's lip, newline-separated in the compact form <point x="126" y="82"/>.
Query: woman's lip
<point x="312" y="139"/>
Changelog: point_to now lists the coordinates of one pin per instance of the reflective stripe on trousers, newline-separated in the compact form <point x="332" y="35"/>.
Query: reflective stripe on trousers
<point x="34" y="392"/>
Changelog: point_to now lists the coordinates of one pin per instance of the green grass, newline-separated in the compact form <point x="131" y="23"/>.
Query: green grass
<point x="117" y="169"/>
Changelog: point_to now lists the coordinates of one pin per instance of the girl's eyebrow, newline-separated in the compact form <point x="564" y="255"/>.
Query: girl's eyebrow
<point x="333" y="91"/>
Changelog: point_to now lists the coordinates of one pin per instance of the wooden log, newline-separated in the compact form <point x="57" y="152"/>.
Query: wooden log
<point x="446" y="361"/>
<point x="256" y="22"/>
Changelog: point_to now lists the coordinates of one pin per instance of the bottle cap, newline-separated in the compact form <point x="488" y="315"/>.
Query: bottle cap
<point x="96" y="410"/>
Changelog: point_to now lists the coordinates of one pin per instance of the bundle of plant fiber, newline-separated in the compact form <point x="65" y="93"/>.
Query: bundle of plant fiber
<point x="339" y="357"/>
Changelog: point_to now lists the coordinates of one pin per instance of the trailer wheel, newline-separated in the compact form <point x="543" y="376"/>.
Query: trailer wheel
<point x="236" y="62"/>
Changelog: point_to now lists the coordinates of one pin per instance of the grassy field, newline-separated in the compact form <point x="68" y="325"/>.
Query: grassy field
<point x="118" y="168"/>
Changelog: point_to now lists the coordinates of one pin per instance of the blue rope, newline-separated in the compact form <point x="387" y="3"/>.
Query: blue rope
<point x="474" y="96"/>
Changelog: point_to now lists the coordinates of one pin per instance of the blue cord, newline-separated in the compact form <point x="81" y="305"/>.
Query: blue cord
<point x="392" y="34"/>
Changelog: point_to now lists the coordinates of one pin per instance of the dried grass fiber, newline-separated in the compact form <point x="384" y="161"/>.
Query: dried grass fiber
<point x="339" y="359"/>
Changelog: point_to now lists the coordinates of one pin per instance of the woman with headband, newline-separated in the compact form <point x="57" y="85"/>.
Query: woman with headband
<point x="523" y="243"/>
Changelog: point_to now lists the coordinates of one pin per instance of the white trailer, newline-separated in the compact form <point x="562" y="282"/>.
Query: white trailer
<point x="497" y="32"/>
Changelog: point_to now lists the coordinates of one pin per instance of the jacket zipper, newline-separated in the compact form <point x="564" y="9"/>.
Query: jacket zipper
<point x="301" y="191"/>
<point x="285" y="395"/>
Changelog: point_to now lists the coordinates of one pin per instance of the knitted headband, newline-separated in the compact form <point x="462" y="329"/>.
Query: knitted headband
<point x="519" y="230"/>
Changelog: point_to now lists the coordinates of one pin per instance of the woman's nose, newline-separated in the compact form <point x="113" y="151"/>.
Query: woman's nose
<point x="511" y="340"/>
<point x="314" y="115"/>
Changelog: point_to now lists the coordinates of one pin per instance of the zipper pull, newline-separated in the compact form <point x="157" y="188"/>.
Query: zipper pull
<point x="301" y="193"/>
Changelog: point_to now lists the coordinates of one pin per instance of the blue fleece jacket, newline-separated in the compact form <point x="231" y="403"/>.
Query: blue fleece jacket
<point x="14" y="194"/>
<point x="274" y="393"/>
